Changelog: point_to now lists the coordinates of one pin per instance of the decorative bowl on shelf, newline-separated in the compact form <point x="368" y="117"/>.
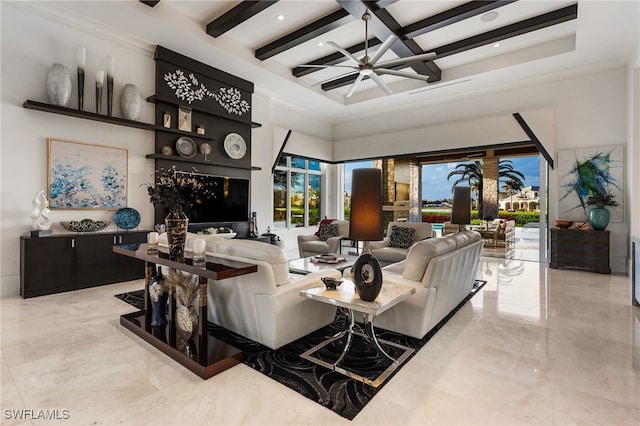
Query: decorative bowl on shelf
<point x="563" y="223"/>
<point x="85" y="225"/>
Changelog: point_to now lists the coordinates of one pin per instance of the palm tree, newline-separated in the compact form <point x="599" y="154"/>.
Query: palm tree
<point x="472" y="174"/>
<point x="511" y="186"/>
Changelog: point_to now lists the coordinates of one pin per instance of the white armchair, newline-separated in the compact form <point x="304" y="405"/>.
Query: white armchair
<point x="311" y="245"/>
<point x="385" y="251"/>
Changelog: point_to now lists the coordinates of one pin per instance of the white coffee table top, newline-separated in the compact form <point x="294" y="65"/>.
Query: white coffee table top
<point x="306" y="265"/>
<point x="346" y="296"/>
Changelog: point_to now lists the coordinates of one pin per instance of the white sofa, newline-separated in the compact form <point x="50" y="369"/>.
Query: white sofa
<point x="264" y="306"/>
<point x="442" y="270"/>
<point x="386" y="254"/>
<point x="311" y="245"/>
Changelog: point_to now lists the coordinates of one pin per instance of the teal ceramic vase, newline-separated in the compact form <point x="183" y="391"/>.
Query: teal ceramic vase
<point x="599" y="218"/>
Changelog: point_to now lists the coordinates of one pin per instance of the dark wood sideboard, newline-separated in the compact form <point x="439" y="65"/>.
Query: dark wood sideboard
<point x="582" y="249"/>
<point x="67" y="262"/>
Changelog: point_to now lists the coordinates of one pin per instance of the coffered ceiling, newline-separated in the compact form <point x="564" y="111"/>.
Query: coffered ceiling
<point x="478" y="45"/>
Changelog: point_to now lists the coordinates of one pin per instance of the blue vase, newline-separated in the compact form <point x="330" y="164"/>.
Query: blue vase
<point x="599" y="218"/>
<point x="159" y="308"/>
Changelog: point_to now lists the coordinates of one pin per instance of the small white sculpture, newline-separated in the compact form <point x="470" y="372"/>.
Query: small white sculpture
<point x="40" y="212"/>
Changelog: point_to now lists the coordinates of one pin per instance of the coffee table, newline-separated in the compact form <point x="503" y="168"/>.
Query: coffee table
<point x="307" y="265"/>
<point x="345" y="296"/>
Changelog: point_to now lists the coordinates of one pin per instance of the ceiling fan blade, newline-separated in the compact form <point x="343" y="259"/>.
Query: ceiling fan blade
<point x="334" y="78"/>
<point x="345" y="52"/>
<point x="329" y="66"/>
<point x="382" y="49"/>
<point x="354" y="85"/>
<point x="381" y="83"/>
<point x="402" y="74"/>
<point x="401" y="61"/>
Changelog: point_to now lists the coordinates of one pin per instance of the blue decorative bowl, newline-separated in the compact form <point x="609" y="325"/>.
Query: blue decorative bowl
<point x="127" y="218"/>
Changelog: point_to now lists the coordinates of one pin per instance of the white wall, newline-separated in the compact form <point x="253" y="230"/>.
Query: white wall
<point x="30" y="45"/>
<point x="587" y="111"/>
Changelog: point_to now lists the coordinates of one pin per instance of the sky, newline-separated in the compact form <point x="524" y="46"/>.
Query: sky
<point x="435" y="185"/>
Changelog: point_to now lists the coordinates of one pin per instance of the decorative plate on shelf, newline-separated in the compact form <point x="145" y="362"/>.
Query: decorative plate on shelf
<point x="186" y="147"/>
<point x="127" y="218"/>
<point x="235" y="146"/>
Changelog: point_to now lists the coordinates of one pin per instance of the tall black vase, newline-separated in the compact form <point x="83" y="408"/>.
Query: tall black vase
<point x="176" y="223"/>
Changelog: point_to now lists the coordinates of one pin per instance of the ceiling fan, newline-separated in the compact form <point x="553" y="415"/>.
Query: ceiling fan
<point x="369" y="67"/>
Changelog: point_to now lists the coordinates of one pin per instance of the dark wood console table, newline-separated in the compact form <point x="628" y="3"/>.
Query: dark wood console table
<point x="577" y="248"/>
<point x="212" y="355"/>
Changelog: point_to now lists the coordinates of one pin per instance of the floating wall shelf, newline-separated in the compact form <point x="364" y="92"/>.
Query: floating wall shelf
<point x="154" y="99"/>
<point x="192" y="160"/>
<point x="55" y="109"/>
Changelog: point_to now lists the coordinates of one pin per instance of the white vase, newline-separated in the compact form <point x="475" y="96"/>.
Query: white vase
<point x="59" y="85"/>
<point x="130" y="102"/>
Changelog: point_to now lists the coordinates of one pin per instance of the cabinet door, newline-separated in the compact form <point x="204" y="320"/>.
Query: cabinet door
<point x="47" y="265"/>
<point x="96" y="261"/>
<point x="128" y="267"/>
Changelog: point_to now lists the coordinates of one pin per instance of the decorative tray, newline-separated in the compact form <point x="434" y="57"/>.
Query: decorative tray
<point x="85" y="225"/>
<point x="323" y="258"/>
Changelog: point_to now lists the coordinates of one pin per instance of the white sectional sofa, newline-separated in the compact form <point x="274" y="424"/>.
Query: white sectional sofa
<point x="442" y="270"/>
<point x="264" y="306"/>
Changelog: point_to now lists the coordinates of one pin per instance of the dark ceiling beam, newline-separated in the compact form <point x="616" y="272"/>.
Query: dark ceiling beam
<point x="150" y="3"/>
<point x="383" y="25"/>
<point x="236" y="16"/>
<point x="451" y="16"/>
<point x="321" y="26"/>
<point x="541" y="21"/>
<point x="528" y="25"/>
<point x="440" y="20"/>
<point x="333" y="59"/>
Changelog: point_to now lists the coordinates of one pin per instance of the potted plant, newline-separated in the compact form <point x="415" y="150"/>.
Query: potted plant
<point x="177" y="192"/>
<point x="599" y="215"/>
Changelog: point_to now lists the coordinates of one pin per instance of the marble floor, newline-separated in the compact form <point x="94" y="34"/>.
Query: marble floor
<point x="534" y="346"/>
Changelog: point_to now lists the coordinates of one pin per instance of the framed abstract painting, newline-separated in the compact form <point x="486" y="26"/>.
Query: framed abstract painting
<point x="587" y="171"/>
<point x="85" y="176"/>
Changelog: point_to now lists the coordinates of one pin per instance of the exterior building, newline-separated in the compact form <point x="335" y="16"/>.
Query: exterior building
<point x="528" y="199"/>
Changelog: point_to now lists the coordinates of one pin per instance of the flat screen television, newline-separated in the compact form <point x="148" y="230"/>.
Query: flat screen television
<point x="230" y="202"/>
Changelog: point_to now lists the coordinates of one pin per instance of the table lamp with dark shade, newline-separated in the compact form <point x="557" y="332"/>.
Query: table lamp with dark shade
<point x="461" y="208"/>
<point x="366" y="225"/>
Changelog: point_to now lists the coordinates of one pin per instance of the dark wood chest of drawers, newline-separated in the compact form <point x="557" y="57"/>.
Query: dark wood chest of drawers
<point x="575" y="248"/>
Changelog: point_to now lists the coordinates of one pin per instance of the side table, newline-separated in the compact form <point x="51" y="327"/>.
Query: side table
<point x="346" y="297"/>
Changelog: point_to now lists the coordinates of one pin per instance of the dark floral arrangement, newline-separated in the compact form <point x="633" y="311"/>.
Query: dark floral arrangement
<point x="177" y="191"/>
<point x="602" y="198"/>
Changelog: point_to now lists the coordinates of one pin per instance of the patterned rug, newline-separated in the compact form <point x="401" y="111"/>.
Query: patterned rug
<point x="345" y="396"/>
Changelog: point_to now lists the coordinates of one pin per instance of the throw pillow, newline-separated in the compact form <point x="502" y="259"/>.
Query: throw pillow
<point x="323" y="221"/>
<point x="401" y="236"/>
<point x="327" y="231"/>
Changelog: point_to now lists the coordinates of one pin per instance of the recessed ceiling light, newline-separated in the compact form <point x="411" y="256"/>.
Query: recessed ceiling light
<point x="280" y="18"/>
<point x="320" y="44"/>
<point x="489" y="16"/>
<point x="496" y="45"/>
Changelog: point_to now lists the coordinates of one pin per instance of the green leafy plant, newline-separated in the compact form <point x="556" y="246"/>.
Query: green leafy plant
<point x="602" y="198"/>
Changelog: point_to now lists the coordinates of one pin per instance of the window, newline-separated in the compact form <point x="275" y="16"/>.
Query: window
<point x="296" y="192"/>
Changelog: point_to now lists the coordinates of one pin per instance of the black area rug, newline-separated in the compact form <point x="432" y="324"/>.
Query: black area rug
<point x="345" y="396"/>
